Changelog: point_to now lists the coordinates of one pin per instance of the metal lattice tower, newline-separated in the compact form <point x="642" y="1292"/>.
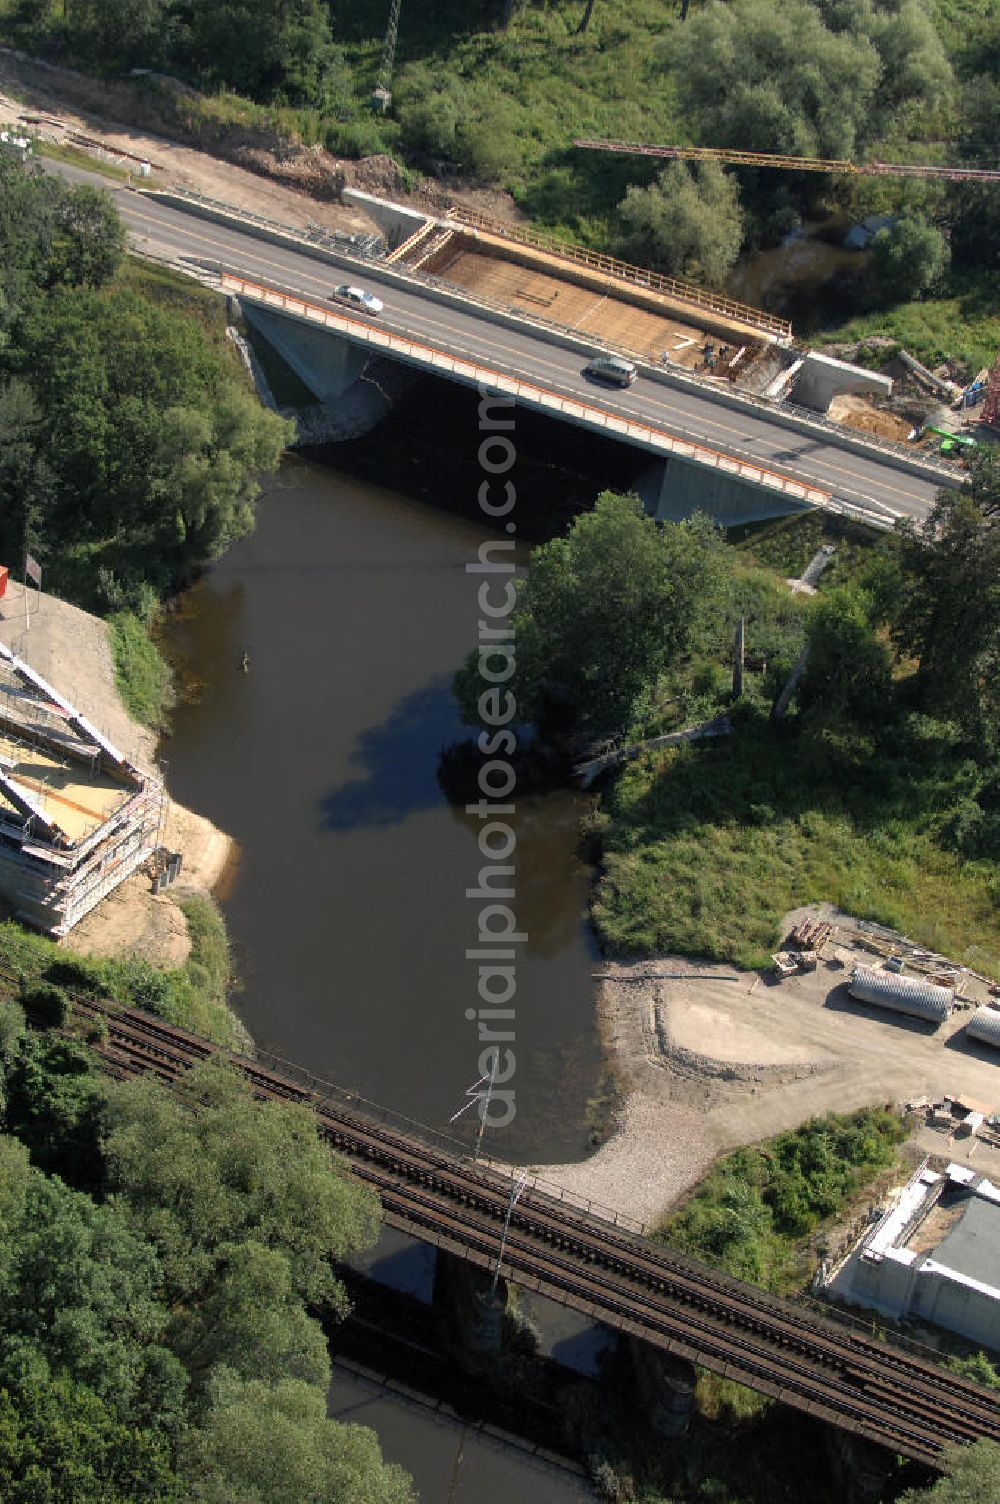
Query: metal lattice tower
<point x="991" y="407"/>
<point x="382" y="97"/>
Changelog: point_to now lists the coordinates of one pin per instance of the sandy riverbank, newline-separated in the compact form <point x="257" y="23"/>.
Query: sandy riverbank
<point x="69" y="647"/>
<point x="708" y="1058"/>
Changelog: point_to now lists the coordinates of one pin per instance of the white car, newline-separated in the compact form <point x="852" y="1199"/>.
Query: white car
<point x="356" y="297"/>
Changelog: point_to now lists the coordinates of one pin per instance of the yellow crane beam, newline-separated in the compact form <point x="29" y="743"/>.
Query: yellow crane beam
<point x="798" y="164"/>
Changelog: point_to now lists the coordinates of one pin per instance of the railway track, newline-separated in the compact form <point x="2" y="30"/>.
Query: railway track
<point x="840" y="1375"/>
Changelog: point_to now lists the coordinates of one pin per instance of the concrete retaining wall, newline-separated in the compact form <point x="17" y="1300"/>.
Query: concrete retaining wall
<point x="822" y="378"/>
<point x="396" y="222"/>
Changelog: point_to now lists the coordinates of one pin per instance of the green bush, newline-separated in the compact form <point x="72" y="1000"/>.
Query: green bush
<point x="48" y="1005"/>
<point x="753" y="1209"/>
<point x="142" y="678"/>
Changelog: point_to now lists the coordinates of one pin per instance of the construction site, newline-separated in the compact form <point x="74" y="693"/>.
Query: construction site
<point x="76" y="817"/>
<point x="655" y="317"/>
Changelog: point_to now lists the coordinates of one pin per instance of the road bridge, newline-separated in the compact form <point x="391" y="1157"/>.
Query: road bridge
<point x="434" y="1190"/>
<point x="815" y="456"/>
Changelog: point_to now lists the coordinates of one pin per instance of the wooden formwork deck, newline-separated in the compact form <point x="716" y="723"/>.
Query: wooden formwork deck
<point x="610" y="312"/>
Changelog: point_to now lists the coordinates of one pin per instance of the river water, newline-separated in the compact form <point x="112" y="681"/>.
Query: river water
<point x="347" y="909"/>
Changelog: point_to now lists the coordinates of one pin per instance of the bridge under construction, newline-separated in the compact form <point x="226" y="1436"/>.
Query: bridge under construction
<point x="76" y="817"/>
<point x="432" y="1189"/>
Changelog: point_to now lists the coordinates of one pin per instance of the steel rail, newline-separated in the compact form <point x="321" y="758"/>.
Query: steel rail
<point x="861" y="1384"/>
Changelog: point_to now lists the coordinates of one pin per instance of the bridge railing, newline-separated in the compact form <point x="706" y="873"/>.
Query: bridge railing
<point x="548" y="1190"/>
<point x="949" y="472"/>
<point x="448" y="1143"/>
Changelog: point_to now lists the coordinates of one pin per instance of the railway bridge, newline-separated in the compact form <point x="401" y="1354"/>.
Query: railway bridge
<point x="671" y="1304"/>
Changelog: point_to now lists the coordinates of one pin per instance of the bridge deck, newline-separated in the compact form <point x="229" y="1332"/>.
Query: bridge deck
<point x="606" y="313"/>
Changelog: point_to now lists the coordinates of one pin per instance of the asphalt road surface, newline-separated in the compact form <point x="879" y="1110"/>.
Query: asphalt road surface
<point x="858" y="478"/>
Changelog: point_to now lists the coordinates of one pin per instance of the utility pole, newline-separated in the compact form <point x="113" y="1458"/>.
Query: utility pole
<point x="516" y="1190"/>
<point x="382" y="97"/>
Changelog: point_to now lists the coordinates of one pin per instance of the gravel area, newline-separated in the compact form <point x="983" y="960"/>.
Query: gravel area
<point x="708" y="1058"/>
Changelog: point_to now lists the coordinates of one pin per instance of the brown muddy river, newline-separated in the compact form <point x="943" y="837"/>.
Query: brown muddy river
<point x="347" y="909"/>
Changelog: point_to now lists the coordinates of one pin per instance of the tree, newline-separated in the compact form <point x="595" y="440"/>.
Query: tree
<point x="26" y="480"/>
<point x="52" y="232"/>
<point x="688" y="222"/>
<point x="54" y="1105"/>
<point x="971" y="1476"/>
<point x="78" y="1295"/>
<point x="908" y="258"/>
<point x="265" y="1444"/>
<point x="90" y="238"/>
<point x="270" y="49"/>
<point x="154" y="444"/>
<point x="773" y="78"/>
<point x="60" y="1441"/>
<point x="232" y="1172"/>
<point x="948" y="615"/>
<point x="848" y="675"/>
<point x="604" y="612"/>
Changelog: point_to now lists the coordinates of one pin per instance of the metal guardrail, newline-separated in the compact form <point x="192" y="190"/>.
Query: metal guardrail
<point x="949" y="473"/>
<point x="371" y="247"/>
<point x="624" y="271"/>
<point x="737" y="463"/>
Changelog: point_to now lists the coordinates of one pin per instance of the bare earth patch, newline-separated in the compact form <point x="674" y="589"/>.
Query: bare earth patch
<point x="247" y="167"/>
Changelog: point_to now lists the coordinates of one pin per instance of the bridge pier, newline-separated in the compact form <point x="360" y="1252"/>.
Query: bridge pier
<point x="328" y="366"/>
<point x="472" y="1313"/>
<point x="862" y="1468"/>
<point x="664" y="1387"/>
<point x="673" y="490"/>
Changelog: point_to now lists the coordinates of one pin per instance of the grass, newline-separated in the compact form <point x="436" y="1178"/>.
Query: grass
<point x="180" y="294"/>
<point x="962" y="325"/>
<point x="760" y="1213"/>
<point x="142" y="678"/>
<point x="709" y="845"/>
<point x="77" y="157"/>
<point x="193" y="996"/>
<point x="787" y="546"/>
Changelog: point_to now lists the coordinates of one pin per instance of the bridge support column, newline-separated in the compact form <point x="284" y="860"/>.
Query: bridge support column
<point x="326" y="364"/>
<point x="664" y="1387"/>
<point x="862" y="1468"/>
<point x="471" y="1312"/>
<point x="674" y="490"/>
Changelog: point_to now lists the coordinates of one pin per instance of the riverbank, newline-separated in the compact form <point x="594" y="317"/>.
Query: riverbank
<point x="709" y="1057"/>
<point x="69" y="647"/>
